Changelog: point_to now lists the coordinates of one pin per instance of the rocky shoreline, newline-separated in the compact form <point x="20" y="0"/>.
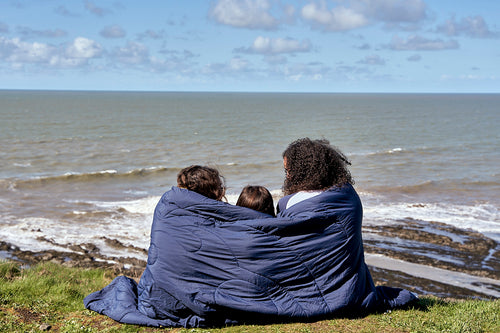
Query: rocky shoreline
<point x="82" y="255"/>
<point x="437" y="245"/>
<point x="428" y="243"/>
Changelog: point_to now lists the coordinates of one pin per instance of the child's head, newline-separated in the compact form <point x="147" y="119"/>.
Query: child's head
<point x="203" y="180"/>
<point x="257" y="198"/>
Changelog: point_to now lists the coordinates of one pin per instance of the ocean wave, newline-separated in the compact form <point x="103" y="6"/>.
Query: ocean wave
<point x="399" y="150"/>
<point x="30" y="233"/>
<point x="141" y="206"/>
<point x="270" y="164"/>
<point x="483" y="218"/>
<point x="389" y="151"/>
<point x="438" y="186"/>
<point x="87" y="177"/>
<point x="22" y="165"/>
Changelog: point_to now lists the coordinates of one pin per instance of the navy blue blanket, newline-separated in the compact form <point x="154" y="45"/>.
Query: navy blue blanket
<point x="211" y="264"/>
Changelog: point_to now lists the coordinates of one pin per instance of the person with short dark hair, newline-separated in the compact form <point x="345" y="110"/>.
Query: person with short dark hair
<point x="257" y="198"/>
<point x="203" y="180"/>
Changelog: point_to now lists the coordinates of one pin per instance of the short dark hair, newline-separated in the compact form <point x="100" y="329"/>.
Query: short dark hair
<point x="314" y="165"/>
<point x="203" y="180"/>
<point x="257" y="198"/>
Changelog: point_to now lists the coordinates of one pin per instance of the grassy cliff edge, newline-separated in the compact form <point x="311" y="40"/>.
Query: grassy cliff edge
<point x="48" y="297"/>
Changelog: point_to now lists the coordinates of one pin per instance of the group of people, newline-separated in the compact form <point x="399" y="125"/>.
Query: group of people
<point x="211" y="263"/>
<point x="311" y="166"/>
<point x="208" y="182"/>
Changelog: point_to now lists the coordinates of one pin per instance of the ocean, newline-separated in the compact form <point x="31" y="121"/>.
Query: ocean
<point x="86" y="167"/>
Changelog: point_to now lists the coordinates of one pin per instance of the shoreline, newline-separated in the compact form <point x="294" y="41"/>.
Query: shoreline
<point x="481" y="285"/>
<point x="411" y="272"/>
<point x="421" y="256"/>
<point x="425" y="280"/>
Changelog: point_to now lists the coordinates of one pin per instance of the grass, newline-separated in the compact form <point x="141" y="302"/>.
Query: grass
<point x="50" y="295"/>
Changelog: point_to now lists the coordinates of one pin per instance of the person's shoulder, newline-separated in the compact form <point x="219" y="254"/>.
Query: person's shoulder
<point x="341" y="189"/>
<point x="344" y="193"/>
<point x="283" y="202"/>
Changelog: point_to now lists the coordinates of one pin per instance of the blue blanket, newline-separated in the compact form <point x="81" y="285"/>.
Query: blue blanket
<point x="211" y="264"/>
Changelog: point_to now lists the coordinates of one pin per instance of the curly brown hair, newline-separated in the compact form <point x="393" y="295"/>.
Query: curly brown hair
<point x="313" y="165"/>
<point x="203" y="180"/>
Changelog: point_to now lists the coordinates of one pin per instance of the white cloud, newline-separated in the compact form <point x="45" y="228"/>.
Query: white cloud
<point x="417" y="43"/>
<point x="133" y="53"/>
<point x="180" y="61"/>
<point x="235" y="65"/>
<point x="16" y="51"/>
<point x="27" y="32"/>
<point x="19" y="53"/>
<point x="372" y="60"/>
<point x="337" y="19"/>
<point x="77" y="54"/>
<point x="84" y="48"/>
<point x="113" y="31"/>
<point x="251" y="14"/>
<point x="238" y="64"/>
<point x="272" y="46"/>
<point x="275" y="60"/>
<point x="468" y="77"/>
<point x="395" y="10"/>
<point x="352" y="14"/>
<point x="364" y="46"/>
<point x="472" y="26"/>
<point x="58" y="61"/>
<point x="151" y="34"/>
<point x="63" y="11"/>
<point x="313" y="71"/>
<point x="4" y="27"/>
<point x="289" y="12"/>
<point x="414" y="58"/>
<point x="160" y="65"/>
<point x="92" y="8"/>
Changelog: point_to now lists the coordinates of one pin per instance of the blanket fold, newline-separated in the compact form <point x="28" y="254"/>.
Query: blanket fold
<point x="212" y="264"/>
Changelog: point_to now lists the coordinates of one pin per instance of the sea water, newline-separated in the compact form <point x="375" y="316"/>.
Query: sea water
<point x="79" y="166"/>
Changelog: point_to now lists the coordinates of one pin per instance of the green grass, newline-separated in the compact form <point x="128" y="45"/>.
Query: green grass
<point x="52" y="294"/>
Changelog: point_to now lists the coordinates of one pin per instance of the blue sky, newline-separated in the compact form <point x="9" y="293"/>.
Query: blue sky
<point x="251" y="45"/>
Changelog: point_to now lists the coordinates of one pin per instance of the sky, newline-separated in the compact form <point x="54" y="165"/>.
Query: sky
<point x="415" y="46"/>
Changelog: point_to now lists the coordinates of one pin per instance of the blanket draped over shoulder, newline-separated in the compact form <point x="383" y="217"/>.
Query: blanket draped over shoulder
<point x="212" y="264"/>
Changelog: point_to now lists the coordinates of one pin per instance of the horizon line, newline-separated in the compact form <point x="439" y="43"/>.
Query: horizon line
<point x="250" y="91"/>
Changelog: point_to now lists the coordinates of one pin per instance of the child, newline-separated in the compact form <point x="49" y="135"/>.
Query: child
<point x="257" y="198"/>
<point x="203" y="180"/>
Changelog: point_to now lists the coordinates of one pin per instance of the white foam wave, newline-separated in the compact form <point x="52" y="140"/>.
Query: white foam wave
<point x="22" y="165"/>
<point x="379" y="152"/>
<point x="39" y="234"/>
<point x="132" y="222"/>
<point x="102" y="172"/>
<point x="395" y="150"/>
<point x="140" y="206"/>
<point x="482" y="218"/>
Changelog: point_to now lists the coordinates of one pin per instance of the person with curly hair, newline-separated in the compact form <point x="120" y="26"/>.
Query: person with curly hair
<point x="312" y="167"/>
